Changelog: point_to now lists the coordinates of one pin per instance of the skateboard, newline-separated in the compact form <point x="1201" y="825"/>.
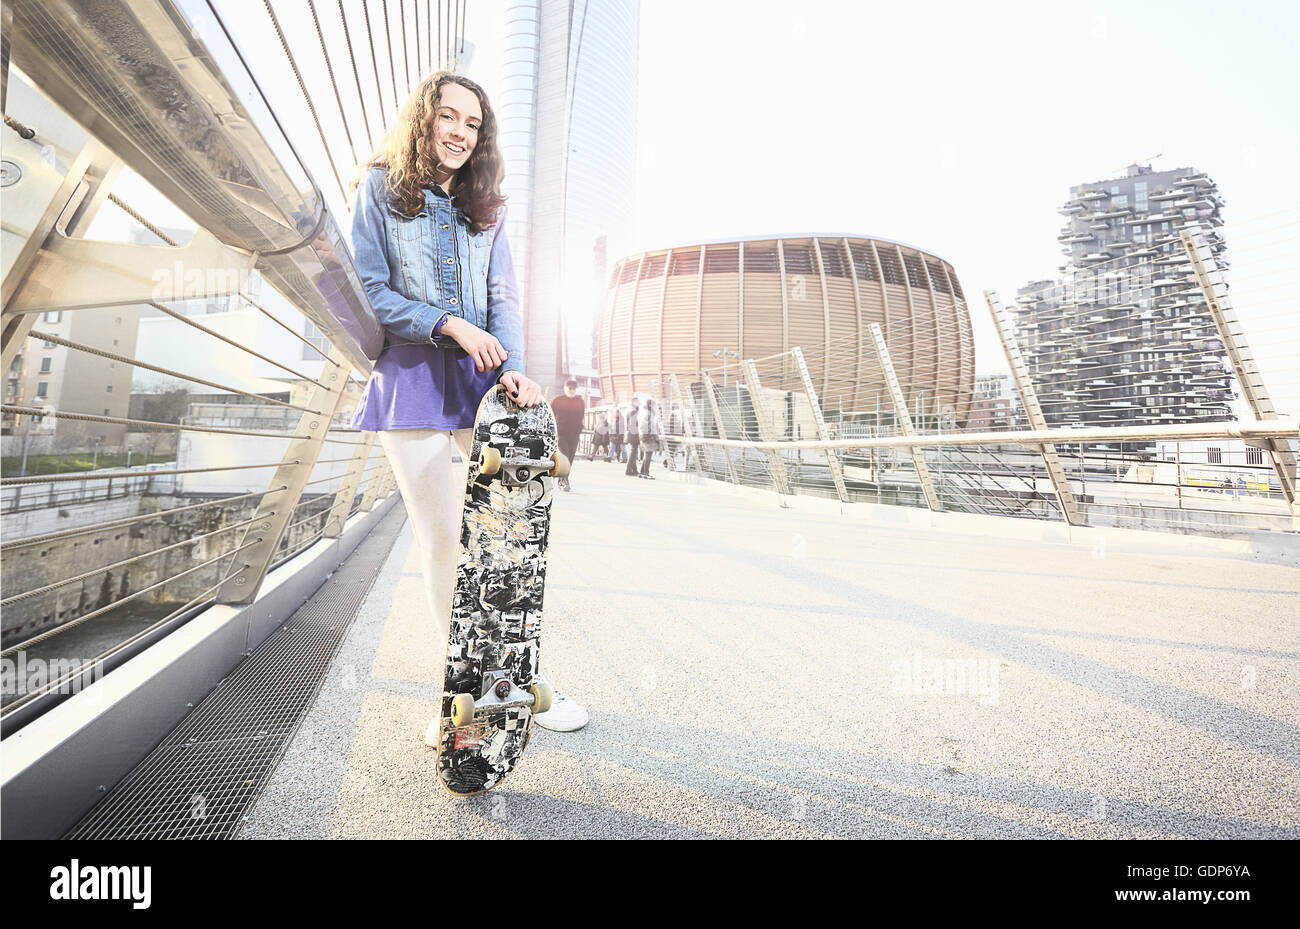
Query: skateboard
<point x="491" y="688"/>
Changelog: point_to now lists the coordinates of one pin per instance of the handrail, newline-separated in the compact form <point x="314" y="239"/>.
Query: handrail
<point x="1260" y="429"/>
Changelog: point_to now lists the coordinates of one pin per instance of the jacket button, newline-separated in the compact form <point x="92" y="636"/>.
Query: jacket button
<point x="451" y="261"/>
<point x="445" y="226"/>
<point x="452" y="300"/>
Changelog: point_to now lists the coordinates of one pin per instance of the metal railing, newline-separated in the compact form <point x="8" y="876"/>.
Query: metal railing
<point x="97" y="563"/>
<point x="761" y="422"/>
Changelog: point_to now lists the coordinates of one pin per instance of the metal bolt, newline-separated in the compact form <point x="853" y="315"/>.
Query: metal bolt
<point x="10" y="173"/>
<point x="101" y="788"/>
<point x="240" y="581"/>
<point x="314" y="424"/>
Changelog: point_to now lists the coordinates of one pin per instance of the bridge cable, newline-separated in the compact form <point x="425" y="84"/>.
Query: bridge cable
<point x="361" y="98"/>
<point x="374" y="60"/>
<point x="306" y="96"/>
<point x="311" y="5"/>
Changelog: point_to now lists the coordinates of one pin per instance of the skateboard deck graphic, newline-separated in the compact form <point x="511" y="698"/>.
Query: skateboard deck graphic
<point x="491" y="688"/>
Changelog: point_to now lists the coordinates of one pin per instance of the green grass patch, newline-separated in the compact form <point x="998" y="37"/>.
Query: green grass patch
<point x="63" y="464"/>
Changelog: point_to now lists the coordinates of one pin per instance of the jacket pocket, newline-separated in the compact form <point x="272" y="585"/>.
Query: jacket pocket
<point x="406" y="228"/>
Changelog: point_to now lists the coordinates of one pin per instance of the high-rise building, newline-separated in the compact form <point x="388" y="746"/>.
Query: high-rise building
<point x="1125" y="338"/>
<point x="995" y="404"/>
<point x="567" y="112"/>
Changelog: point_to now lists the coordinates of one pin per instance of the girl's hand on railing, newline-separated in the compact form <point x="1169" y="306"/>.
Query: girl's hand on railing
<point x="483" y="347"/>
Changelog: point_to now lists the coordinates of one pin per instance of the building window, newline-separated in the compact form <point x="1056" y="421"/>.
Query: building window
<point x="761" y="259"/>
<point x="54" y="316"/>
<point x="1213" y="455"/>
<point x="893" y="274"/>
<point x="653" y="266"/>
<point x="1254" y="456"/>
<point x="863" y="262"/>
<point x="42" y="388"/>
<point x="45" y="366"/>
<point x="105" y="412"/>
<point x="685" y="263"/>
<point x="316" y="338"/>
<point x="109" y="388"/>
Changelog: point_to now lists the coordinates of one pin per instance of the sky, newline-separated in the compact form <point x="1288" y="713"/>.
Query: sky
<point x="955" y="127"/>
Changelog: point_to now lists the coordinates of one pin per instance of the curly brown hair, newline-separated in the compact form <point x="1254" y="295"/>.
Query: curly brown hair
<point x="407" y="154"/>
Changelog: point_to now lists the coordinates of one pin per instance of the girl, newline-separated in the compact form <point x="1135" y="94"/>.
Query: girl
<point x="429" y="243"/>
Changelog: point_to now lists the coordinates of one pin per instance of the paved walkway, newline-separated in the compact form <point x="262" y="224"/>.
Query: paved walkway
<point x="759" y="672"/>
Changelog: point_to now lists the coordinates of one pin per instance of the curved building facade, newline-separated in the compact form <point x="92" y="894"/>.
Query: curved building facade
<point x="670" y="310"/>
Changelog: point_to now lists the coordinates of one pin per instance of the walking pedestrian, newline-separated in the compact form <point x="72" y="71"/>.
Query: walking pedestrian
<point x="600" y="434"/>
<point x="648" y="429"/>
<point x="569" y="410"/>
<point x="429" y="245"/>
<point x="672" y="443"/>
<point x="632" y="436"/>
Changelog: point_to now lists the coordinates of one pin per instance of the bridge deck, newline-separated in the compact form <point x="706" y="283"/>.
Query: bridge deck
<point x="758" y="672"/>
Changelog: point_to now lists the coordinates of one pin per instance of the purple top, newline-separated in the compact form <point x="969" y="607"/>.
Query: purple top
<point x="439" y="388"/>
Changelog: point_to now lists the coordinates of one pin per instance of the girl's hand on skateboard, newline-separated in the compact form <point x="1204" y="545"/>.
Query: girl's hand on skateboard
<point x="483" y="347"/>
<point x="523" y="391"/>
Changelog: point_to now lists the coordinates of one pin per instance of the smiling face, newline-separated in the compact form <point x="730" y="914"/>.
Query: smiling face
<point x="456" y="125"/>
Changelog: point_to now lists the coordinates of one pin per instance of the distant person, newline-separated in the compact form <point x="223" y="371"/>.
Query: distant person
<point x="672" y="444"/>
<point x="618" y="431"/>
<point x="569" y="410"/>
<point x="648" y="430"/>
<point x="600" y="435"/>
<point x="632" y="437"/>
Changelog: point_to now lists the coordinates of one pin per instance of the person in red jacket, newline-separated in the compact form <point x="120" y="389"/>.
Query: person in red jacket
<point x="569" y="411"/>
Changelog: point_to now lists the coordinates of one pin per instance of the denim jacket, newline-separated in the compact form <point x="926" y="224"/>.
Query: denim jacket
<point x="415" y="269"/>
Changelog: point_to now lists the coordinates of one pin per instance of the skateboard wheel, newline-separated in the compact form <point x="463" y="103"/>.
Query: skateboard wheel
<point x="541" y="697"/>
<point x="559" y="465"/>
<point x="462" y="710"/>
<point x="489" y="460"/>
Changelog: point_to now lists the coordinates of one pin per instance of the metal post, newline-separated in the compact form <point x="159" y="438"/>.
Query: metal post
<point x="711" y="389"/>
<point x="378" y="481"/>
<point x="775" y="461"/>
<point x="27" y="435"/>
<point x="348" y="489"/>
<point x="274" y="512"/>
<point x="1033" y="412"/>
<point x="1178" y="472"/>
<point x="837" y="473"/>
<point x="904" y="418"/>
<point x="1215" y="288"/>
<point x="692" y="450"/>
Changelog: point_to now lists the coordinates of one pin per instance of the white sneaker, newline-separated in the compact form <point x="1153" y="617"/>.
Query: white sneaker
<point x="431" y="734"/>
<point x="565" y="715"/>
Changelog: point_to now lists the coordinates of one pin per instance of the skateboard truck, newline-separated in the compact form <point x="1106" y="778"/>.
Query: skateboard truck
<point x="518" y="471"/>
<point x="499" y="693"/>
